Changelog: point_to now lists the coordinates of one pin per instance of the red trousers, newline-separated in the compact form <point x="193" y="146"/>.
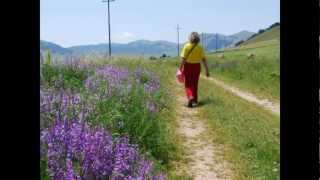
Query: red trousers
<point x="191" y="73"/>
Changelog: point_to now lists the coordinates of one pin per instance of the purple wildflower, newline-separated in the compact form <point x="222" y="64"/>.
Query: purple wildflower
<point x="115" y="76"/>
<point x="109" y="80"/>
<point x="94" y="150"/>
<point x="152" y="107"/>
<point x="152" y="86"/>
<point x="58" y="104"/>
<point x="70" y="174"/>
<point x="150" y="81"/>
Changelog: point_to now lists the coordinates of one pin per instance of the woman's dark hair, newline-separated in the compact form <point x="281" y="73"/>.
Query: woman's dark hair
<point x="194" y="37"/>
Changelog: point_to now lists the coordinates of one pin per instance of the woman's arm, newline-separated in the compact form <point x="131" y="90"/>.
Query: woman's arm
<point x="204" y="61"/>
<point x="183" y="61"/>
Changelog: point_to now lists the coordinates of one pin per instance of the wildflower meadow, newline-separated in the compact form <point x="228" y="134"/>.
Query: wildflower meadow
<point x="102" y="121"/>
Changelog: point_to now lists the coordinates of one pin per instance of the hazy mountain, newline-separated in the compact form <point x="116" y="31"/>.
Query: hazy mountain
<point x="242" y="36"/>
<point x="133" y="48"/>
<point x="215" y="41"/>
<point x="54" y="48"/>
<point x="145" y="47"/>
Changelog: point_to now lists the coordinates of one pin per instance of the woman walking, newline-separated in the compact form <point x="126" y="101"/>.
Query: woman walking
<point x="191" y="56"/>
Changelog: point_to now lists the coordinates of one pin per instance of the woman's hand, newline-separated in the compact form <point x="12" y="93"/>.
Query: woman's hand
<point x="183" y="61"/>
<point x="206" y="66"/>
<point x="207" y="73"/>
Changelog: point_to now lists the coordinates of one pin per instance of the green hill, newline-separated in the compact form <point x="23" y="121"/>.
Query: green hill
<point x="270" y="34"/>
<point x="260" y="74"/>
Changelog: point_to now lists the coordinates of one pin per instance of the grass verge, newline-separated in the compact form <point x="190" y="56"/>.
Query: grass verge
<point x="260" y="75"/>
<point x="250" y="134"/>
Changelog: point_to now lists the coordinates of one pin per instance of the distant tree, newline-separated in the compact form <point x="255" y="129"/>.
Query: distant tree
<point x="274" y="24"/>
<point x="238" y="43"/>
<point x="261" y="31"/>
<point x="252" y="36"/>
<point x="152" y="58"/>
<point x="163" y="56"/>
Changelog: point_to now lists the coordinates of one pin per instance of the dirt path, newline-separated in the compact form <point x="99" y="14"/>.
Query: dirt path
<point x="204" y="159"/>
<point x="265" y="103"/>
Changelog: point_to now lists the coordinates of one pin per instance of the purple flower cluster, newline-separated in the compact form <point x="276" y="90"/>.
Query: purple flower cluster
<point x="58" y="103"/>
<point x="138" y="74"/>
<point x="108" y="80"/>
<point x="93" y="84"/>
<point x="149" y="80"/>
<point x="74" y="150"/>
<point x="152" y="107"/>
<point x="111" y="79"/>
<point x="115" y="76"/>
<point x="152" y="86"/>
<point x="61" y="104"/>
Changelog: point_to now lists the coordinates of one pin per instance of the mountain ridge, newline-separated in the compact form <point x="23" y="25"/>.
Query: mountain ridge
<point x="211" y="42"/>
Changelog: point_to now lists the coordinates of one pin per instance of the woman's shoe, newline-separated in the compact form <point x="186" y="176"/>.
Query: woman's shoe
<point x="190" y="103"/>
<point x="194" y="104"/>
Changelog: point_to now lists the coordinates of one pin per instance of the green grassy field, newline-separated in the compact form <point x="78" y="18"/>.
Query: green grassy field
<point x="259" y="75"/>
<point x="250" y="134"/>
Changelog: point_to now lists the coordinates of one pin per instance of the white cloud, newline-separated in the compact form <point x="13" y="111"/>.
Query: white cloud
<point x="123" y="37"/>
<point x="127" y="35"/>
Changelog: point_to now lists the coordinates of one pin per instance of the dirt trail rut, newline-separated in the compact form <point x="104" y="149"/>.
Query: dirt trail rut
<point x="265" y="103"/>
<point x="204" y="158"/>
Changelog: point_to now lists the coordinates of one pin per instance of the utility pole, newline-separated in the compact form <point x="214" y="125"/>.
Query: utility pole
<point x="178" y="28"/>
<point x="203" y="37"/>
<point x="108" y="1"/>
<point x="216" y="41"/>
<point x="202" y="40"/>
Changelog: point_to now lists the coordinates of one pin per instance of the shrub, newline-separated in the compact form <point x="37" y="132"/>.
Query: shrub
<point x="153" y="58"/>
<point x="274" y="24"/>
<point x="64" y="76"/>
<point x="261" y="31"/>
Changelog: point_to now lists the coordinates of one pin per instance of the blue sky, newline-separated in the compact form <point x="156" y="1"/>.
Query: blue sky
<point x="79" y="22"/>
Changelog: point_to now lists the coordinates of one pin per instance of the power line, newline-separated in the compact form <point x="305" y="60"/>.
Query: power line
<point x="108" y="1"/>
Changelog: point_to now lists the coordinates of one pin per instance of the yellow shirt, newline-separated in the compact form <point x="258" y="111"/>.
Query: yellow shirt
<point x="195" y="56"/>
